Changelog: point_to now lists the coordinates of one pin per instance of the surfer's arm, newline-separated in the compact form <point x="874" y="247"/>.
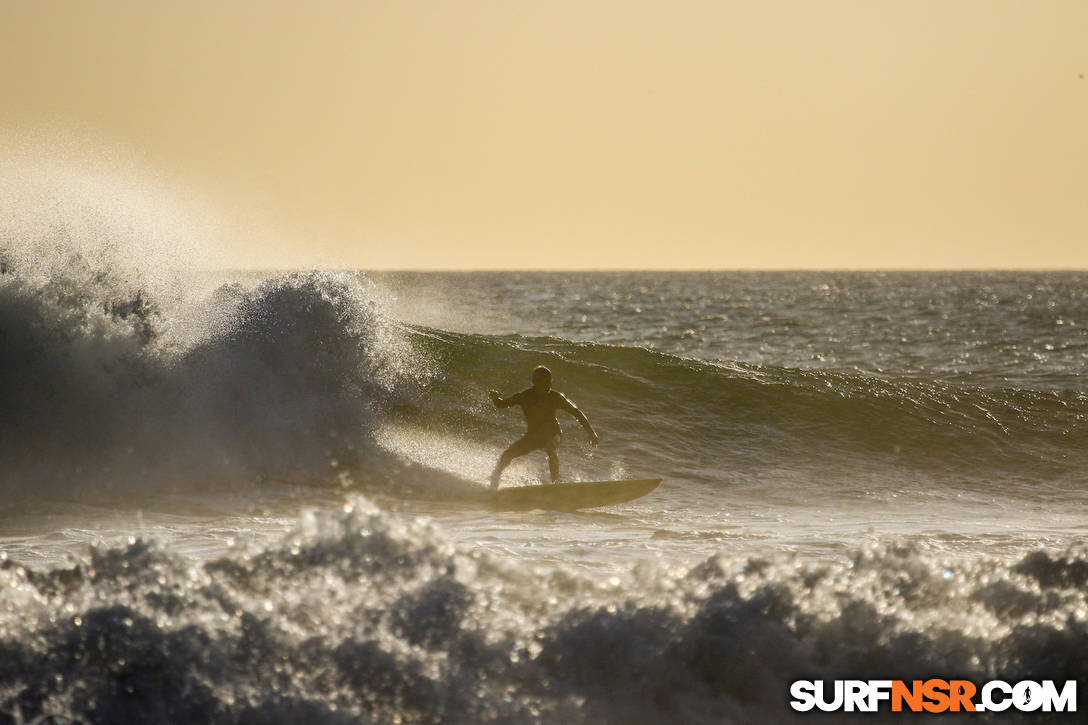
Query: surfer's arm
<point x="499" y="401"/>
<point x="580" y="417"/>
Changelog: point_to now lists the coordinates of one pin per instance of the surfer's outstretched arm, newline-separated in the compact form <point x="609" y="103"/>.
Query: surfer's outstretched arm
<point x="581" y="418"/>
<point x="498" y="400"/>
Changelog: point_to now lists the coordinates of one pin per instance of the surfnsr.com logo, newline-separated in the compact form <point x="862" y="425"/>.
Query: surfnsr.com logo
<point x="933" y="695"/>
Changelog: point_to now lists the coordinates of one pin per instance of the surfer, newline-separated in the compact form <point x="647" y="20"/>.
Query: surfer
<point x="539" y="404"/>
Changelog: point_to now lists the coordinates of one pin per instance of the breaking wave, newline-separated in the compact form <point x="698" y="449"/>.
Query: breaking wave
<point x="292" y="375"/>
<point x="117" y="375"/>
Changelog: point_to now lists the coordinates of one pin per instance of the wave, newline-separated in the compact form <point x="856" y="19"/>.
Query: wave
<point x="108" y="386"/>
<point x="361" y="616"/>
<point x="113" y="387"/>
<point x="706" y="418"/>
<point x="120" y="376"/>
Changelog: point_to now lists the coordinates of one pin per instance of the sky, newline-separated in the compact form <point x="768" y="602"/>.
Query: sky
<point x="473" y="134"/>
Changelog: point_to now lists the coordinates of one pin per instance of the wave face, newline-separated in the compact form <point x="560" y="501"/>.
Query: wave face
<point x="707" y="419"/>
<point x="358" y="617"/>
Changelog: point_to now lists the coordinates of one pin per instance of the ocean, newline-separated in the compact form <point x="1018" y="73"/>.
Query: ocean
<point x="248" y="497"/>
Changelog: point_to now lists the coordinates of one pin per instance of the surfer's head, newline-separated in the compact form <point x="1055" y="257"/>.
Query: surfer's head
<point x="542" y="378"/>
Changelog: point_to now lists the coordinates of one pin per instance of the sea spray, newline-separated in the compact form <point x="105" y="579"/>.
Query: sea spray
<point x="123" y="377"/>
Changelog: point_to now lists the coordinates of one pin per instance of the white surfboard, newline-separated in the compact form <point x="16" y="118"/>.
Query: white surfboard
<point x="570" y="496"/>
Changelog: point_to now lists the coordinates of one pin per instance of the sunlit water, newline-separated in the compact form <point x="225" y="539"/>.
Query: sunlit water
<point x="256" y="503"/>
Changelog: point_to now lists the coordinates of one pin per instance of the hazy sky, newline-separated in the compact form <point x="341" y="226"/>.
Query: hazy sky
<point x="474" y="134"/>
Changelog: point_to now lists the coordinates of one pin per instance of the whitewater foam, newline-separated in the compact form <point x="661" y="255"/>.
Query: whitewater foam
<point x="363" y="615"/>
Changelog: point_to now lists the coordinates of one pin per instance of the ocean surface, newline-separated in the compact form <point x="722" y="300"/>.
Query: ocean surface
<point x="248" y="497"/>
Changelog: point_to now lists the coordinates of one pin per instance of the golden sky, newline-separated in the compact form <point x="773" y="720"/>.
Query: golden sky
<point x="573" y="134"/>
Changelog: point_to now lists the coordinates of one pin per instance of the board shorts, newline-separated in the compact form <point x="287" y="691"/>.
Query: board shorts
<point x="533" y="441"/>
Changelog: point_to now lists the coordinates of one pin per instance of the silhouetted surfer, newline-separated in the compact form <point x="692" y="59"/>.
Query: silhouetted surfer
<point x="539" y="404"/>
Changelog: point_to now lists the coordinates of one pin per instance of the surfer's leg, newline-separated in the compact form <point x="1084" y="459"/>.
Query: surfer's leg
<point x="553" y="457"/>
<point x="504" y="461"/>
<point x="518" y="448"/>
<point x="553" y="463"/>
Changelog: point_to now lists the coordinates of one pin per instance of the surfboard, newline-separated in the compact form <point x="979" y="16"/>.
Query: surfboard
<point x="570" y="496"/>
